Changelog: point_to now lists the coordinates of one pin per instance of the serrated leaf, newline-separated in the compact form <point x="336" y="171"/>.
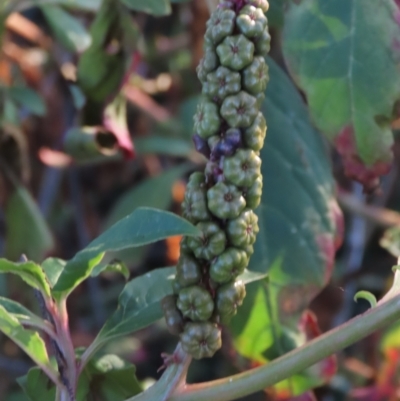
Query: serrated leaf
<point x="27" y="230"/>
<point x="153" y="192"/>
<point x="296" y="242"/>
<point x="350" y="100"/>
<point x="30" y="272"/>
<point x="28" y="340"/>
<point x="154" y="7"/>
<point x="28" y="98"/>
<point x="53" y="268"/>
<point x="143" y="226"/>
<point x="139" y="303"/>
<point x="67" y="29"/>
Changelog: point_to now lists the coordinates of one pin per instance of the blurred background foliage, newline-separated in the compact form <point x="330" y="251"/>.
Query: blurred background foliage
<point x="96" y="106"/>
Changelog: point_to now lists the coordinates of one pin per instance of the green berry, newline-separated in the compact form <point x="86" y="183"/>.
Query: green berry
<point x="252" y="194"/>
<point x="225" y="201"/>
<point x="173" y="317"/>
<point x="251" y="21"/>
<point x="196" y="180"/>
<point x="227" y="266"/>
<point x="188" y="271"/>
<point x="263" y="43"/>
<point x="235" y="52"/>
<point x="220" y="25"/>
<point x="184" y="247"/>
<point x="210" y="244"/>
<point x="221" y="83"/>
<point x="201" y="340"/>
<point x="260" y="97"/>
<point x="176" y="287"/>
<point x="239" y="110"/>
<point x="249" y="249"/>
<point x="254" y="135"/>
<point x="242" y="231"/>
<point x="229" y="297"/>
<point x="255" y="76"/>
<point x="201" y="72"/>
<point x="206" y="120"/>
<point x="194" y="206"/>
<point x="210" y="59"/>
<point x="195" y="303"/>
<point x="263" y="4"/>
<point x="243" y="168"/>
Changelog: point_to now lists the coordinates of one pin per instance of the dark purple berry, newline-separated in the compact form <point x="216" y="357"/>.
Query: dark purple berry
<point x="201" y="145"/>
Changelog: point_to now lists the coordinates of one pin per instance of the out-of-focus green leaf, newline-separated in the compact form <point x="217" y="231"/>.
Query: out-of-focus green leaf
<point x="153" y="192"/>
<point x="38" y="387"/>
<point x="20" y="5"/>
<point x="27" y="230"/>
<point x="296" y="242"/>
<point x="391" y="241"/>
<point x="114" y="37"/>
<point x="350" y="100"/>
<point x="53" y="268"/>
<point x="154" y="7"/>
<point x="67" y="29"/>
<point x="28" y="340"/>
<point x="114" y="266"/>
<point x="275" y="13"/>
<point x="113" y="379"/>
<point x="143" y="226"/>
<point x="30" y="272"/>
<point x="164" y="146"/>
<point x="28" y="98"/>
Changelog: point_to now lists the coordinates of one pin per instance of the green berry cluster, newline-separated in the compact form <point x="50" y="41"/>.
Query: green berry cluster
<point x="230" y="131"/>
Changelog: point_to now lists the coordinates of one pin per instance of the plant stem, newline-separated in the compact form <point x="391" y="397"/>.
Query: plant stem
<point x="257" y="379"/>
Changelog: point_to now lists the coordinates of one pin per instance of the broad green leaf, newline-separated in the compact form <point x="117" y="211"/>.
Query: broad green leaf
<point x="153" y="192"/>
<point x="27" y="230"/>
<point x="154" y="7"/>
<point x="28" y="98"/>
<point x="112" y="379"/>
<point x="53" y="268"/>
<point x="275" y="13"/>
<point x="28" y="340"/>
<point x="295" y="245"/>
<point x="67" y="29"/>
<point x="164" y="146"/>
<point x="114" y="266"/>
<point x="349" y="98"/>
<point x="143" y="226"/>
<point x="30" y="272"/>
<point x="139" y="304"/>
<point x="20" y="5"/>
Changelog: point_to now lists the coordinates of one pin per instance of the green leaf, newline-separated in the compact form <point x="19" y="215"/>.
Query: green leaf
<point x="86" y="5"/>
<point x="38" y="387"/>
<point x="114" y="266"/>
<point x="143" y="226"/>
<point x="139" y="304"/>
<point x="154" y="7"/>
<point x="156" y="144"/>
<point x="28" y="340"/>
<point x="297" y="220"/>
<point x="113" y="379"/>
<point x="391" y="241"/>
<point x="275" y="13"/>
<point x="153" y="192"/>
<point x="67" y="29"/>
<point x="30" y="272"/>
<point x="27" y="230"/>
<point x="28" y="98"/>
<point x="53" y="268"/>
<point x="348" y="97"/>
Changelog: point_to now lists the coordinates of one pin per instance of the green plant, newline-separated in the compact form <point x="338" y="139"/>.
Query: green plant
<point x="260" y="218"/>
